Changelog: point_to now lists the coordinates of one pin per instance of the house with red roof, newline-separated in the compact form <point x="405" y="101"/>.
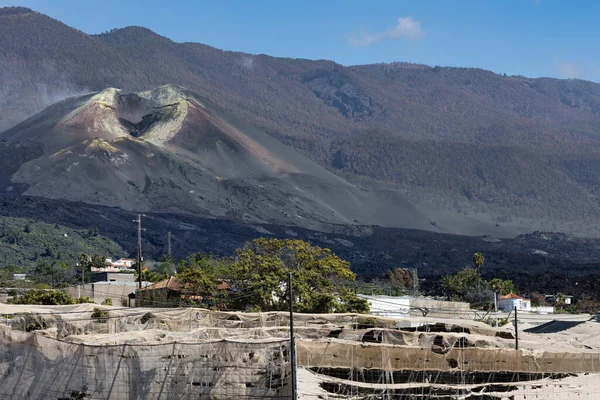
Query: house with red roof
<point x="511" y="300"/>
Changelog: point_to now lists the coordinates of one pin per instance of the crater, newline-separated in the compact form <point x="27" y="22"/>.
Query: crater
<point x="136" y="114"/>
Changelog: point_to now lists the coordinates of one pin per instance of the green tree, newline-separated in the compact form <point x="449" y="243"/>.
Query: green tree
<point x="6" y="274"/>
<point x="84" y="260"/>
<point x="166" y="268"/>
<point x="458" y="285"/>
<point x="478" y="260"/>
<point x="502" y="286"/>
<point x="98" y="261"/>
<point x="52" y="273"/>
<point x="200" y="274"/>
<point x="322" y="282"/>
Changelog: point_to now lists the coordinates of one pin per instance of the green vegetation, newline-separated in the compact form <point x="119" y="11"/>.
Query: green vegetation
<point x="46" y="297"/>
<point x="502" y="286"/>
<point x="25" y="242"/>
<point x="459" y="285"/>
<point x="30" y="323"/>
<point x="468" y="285"/>
<point x="100" y="315"/>
<point x="259" y="274"/>
<point x="478" y="260"/>
<point x="166" y="268"/>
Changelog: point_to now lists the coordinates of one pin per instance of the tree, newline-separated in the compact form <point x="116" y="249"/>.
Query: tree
<point x="6" y="273"/>
<point x="459" y="284"/>
<point x="537" y="299"/>
<point x="503" y="287"/>
<point x="52" y="273"/>
<point x="400" y="279"/>
<point x="478" y="260"/>
<point x="200" y="274"/>
<point x="322" y="282"/>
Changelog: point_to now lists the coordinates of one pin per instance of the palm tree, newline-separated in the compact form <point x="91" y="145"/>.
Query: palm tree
<point x="478" y="260"/>
<point x="449" y="284"/>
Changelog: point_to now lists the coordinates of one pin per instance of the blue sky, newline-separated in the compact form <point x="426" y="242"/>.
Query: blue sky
<point x="518" y="37"/>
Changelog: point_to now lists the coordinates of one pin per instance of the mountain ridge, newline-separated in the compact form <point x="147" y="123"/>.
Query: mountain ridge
<point x="513" y="149"/>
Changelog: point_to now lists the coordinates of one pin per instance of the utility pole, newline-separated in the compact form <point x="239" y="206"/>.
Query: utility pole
<point x="292" y="342"/>
<point x="139" y="252"/>
<point x="516" y="331"/>
<point x="169" y="244"/>
<point x="496" y="307"/>
<point x="415" y="283"/>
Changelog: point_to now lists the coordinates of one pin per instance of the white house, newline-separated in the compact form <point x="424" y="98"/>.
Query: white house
<point x="123" y="263"/>
<point x="511" y="300"/>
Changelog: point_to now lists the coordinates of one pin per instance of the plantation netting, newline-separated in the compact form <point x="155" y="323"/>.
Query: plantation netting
<point x="135" y="353"/>
<point x="34" y="366"/>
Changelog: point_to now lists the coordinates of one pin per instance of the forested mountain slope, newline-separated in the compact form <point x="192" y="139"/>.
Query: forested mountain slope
<point x="508" y="148"/>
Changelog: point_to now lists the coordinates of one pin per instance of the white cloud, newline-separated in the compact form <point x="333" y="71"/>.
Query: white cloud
<point x="568" y="70"/>
<point x="406" y="27"/>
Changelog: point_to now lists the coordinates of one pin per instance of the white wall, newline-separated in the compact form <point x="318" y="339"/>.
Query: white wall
<point x="543" y="310"/>
<point x="388" y="306"/>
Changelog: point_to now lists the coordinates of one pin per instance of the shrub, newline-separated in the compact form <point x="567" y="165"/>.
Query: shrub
<point x="107" y="302"/>
<point x="100" y="315"/>
<point x="83" y="299"/>
<point x="43" y="297"/>
<point x="28" y="323"/>
<point x="35" y="324"/>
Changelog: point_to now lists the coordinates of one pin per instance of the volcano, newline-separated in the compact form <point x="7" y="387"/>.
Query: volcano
<point x="170" y="150"/>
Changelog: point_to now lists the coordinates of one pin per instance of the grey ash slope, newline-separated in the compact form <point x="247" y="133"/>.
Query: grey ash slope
<point x="170" y="150"/>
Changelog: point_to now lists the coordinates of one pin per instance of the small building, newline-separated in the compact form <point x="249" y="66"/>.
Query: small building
<point x="19" y="277"/>
<point x="511" y="300"/>
<point x="567" y="299"/>
<point x="123" y="263"/>
<point x="170" y="291"/>
<point x="159" y="294"/>
<point x="100" y="291"/>
<point x="105" y="276"/>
